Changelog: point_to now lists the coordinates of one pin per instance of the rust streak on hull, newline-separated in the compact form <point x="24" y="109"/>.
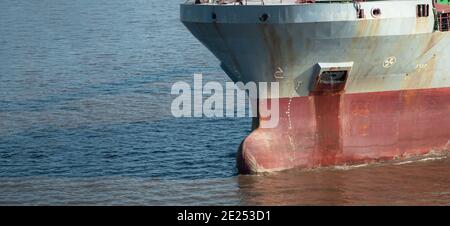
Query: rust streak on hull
<point x="351" y="129"/>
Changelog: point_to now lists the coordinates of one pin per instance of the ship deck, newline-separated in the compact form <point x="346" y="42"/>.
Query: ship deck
<point x="259" y="2"/>
<point x="440" y="7"/>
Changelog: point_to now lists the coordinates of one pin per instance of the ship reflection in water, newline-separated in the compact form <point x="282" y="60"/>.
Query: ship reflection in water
<point x="418" y="183"/>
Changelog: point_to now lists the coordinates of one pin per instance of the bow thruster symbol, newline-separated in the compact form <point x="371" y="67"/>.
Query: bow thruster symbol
<point x="389" y="62"/>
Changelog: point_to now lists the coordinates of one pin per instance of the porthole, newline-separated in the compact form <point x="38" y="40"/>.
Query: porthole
<point x="376" y="12"/>
<point x="264" y="17"/>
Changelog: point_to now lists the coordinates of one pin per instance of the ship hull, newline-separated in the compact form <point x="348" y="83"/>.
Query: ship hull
<point x="393" y="103"/>
<point x="348" y="129"/>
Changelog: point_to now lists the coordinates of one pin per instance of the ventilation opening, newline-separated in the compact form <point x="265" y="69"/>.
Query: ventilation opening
<point x="443" y="21"/>
<point x="423" y="10"/>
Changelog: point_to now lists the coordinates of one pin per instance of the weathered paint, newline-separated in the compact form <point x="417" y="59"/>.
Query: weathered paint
<point x="394" y="97"/>
<point x="345" y="129"/>
<point x="253" y="51"/>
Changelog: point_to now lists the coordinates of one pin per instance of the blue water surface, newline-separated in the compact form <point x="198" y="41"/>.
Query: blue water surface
<point x="85" y="92"/>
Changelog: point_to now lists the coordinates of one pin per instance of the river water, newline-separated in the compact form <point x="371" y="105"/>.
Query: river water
<point x="85" y="120"/>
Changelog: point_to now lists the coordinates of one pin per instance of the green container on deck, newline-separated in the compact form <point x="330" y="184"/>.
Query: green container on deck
<point x="443" y="2"/>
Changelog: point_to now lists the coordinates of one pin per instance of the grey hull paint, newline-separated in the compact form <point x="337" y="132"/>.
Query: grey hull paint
<point x="297" y="38"/>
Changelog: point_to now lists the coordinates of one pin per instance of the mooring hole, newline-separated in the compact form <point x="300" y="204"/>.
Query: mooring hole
<point x="264" y="17"/>
<point x="333" y="77"/>
<point x="376" y="12"/>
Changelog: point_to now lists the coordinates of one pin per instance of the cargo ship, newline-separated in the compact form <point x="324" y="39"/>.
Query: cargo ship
<point x="360" y="81"/>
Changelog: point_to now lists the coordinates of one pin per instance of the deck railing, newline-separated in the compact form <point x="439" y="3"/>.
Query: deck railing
<point x="287" y="2"/>
<point x="249" y="2"/>
<point x="264" y="2"/>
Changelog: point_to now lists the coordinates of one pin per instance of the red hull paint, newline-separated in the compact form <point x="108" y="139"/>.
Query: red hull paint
<point x="345" y="129"/>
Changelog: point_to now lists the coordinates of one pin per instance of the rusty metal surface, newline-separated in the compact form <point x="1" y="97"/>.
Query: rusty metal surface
<point x="395" y="99"/>
<point x="349" y="129"/>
